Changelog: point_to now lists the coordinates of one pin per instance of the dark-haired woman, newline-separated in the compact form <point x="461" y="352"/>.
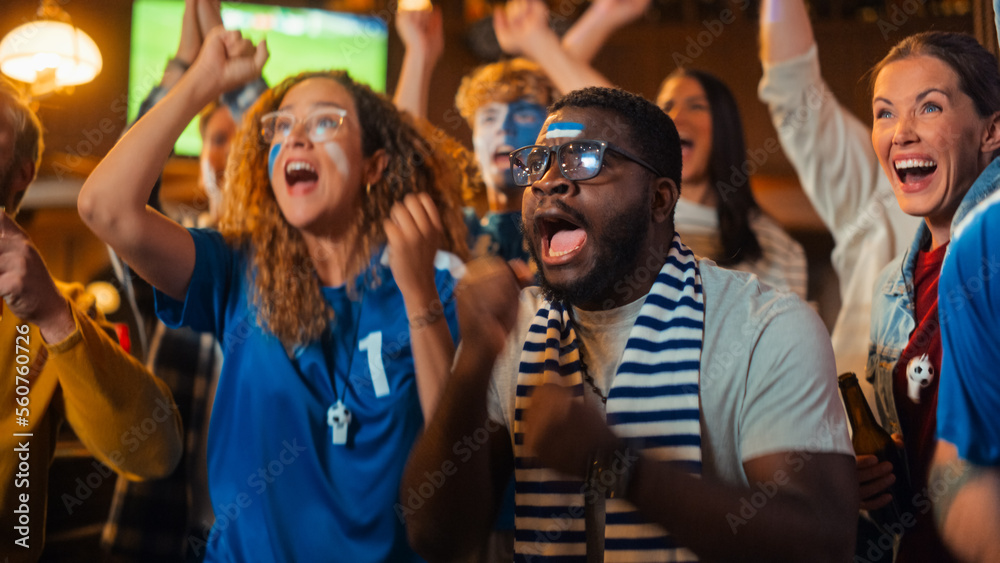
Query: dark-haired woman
<point x="333" y="343"/>
<point x="936" y="109"/>
<point x="717" y="214"/>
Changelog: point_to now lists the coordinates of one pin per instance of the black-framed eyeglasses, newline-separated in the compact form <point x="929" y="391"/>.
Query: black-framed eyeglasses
<point x="579" y="159"/>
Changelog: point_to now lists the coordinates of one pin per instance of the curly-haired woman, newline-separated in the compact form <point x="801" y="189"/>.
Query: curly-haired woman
<point x="333" y="346"/>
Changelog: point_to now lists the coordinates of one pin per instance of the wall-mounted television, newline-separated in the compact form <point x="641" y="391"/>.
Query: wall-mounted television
<point x="299" y="39"/>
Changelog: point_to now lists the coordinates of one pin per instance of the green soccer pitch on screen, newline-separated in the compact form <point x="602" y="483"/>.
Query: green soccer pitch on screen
<point x="298" y="39"/>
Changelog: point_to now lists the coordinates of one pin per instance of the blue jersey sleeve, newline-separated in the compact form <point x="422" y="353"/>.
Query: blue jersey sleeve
<point x="215" y="273"/>
<point x="969" y="311"/>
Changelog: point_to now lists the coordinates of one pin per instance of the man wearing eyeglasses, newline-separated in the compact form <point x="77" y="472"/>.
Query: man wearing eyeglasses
<point x="651" y="405"/>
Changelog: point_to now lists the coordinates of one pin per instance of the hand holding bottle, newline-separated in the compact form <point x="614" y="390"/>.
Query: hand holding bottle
<point x="874" y="480"/>
<point x="879" y="458"/>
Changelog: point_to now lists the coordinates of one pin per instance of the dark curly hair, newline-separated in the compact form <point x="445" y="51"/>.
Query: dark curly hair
<point x="286" y="291"/>
<point x="735" y="205"/>
<point x="639" y="124"/>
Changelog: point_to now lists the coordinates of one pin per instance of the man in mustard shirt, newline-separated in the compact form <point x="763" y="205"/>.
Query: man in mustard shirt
<point x="57" y="362"/>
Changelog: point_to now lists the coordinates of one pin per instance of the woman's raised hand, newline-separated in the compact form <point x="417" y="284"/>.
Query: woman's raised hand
<point x="415" y="234"/>
<point x="227" y="60"/>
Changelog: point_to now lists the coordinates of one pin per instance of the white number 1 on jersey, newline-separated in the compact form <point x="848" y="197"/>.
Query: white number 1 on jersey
<point x="373" y="345"/>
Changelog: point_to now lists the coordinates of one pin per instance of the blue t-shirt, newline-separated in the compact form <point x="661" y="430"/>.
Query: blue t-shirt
<point x="969" y="310"/>
<point x="280" y="489"/>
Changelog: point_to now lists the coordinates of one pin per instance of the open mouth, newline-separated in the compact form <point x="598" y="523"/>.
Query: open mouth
<point x="561" y="239"/>
<point x="300" y="174"/>
<point x="686" y="146"/>
<point x="914" y="170"/>
<point x="502" y="160"/>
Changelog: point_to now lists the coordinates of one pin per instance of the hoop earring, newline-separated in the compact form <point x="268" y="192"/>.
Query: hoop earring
<point x="368" y="189"/>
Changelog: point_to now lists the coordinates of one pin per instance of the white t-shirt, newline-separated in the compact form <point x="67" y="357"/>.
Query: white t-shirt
<point x="768" y="382"/>
<point x="603" y="335"/>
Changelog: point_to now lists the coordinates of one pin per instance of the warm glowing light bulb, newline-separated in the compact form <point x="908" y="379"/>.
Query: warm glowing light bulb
<point x="106" y="297"/>
<point x="32" y="51"/>
<point x="414" y="5"/>
<point x="45" y="60"/>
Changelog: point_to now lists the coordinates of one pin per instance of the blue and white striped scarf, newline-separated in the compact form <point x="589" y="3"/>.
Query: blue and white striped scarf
<point x="653" y="403"/>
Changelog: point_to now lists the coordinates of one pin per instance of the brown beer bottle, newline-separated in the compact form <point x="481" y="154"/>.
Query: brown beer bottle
<point x="871" y="439"/>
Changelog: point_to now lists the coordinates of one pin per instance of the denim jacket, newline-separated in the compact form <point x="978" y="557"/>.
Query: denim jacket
<point x="893" y="315"/>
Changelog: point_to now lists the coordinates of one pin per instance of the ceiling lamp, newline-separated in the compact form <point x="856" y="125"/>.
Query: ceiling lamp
<point x="49" y="53"/>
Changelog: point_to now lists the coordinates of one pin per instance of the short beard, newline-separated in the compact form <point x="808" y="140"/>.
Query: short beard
<point x="617" y="255"/>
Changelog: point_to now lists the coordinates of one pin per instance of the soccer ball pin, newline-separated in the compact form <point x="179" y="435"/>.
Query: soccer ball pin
<point x="919" y="374"/>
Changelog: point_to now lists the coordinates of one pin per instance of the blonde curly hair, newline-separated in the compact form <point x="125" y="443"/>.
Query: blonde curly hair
<point x="286" y="291"/>
<point x="503" y="82"/>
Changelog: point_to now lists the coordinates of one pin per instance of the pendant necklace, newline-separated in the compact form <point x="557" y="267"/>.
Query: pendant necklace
<point x="589" y="379"/>
<point x="338" y="417"/>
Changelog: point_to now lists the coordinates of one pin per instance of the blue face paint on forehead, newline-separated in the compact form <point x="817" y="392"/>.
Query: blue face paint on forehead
<point x="564" y="130"/>
<point x="523" y="123"/>
<point x="271" y="157"/>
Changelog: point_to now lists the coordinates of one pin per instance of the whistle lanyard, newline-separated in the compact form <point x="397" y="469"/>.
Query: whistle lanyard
<point x="338" y="417"/>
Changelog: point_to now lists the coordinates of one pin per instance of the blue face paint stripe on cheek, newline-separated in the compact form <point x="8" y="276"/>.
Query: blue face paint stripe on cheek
<point x="271" y="157"/>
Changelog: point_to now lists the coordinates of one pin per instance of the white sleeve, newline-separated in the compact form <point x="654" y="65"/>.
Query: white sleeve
<point x="792" y="402"/>
<point x="501" y="396"/>
<point x="494" y="402"/>
<point x="828" y="146"/>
